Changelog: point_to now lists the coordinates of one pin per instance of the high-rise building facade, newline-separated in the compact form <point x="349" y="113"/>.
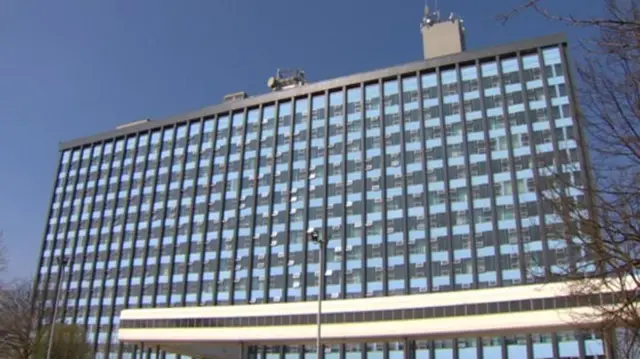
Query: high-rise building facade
<point x="421" y="179"/>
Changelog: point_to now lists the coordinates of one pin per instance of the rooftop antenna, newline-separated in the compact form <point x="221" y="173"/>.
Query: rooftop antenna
<point x="286" y="79"/>
<point x="429" y="18"/>
<point x="440" y="35"/>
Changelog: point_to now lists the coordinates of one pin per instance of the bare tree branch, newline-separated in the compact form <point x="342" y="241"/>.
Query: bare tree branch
<point x="599" y="218"/>
<point x="18" y="324"/>
<point x="19" y="336"/>
<point x="616" y="18"/>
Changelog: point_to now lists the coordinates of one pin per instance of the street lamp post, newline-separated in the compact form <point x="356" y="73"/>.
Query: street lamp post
<point x="62" y="262"/>
<point x="313" y="236"/>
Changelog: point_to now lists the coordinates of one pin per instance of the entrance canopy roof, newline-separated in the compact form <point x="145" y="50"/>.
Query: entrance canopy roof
<point x="223" y="331"/>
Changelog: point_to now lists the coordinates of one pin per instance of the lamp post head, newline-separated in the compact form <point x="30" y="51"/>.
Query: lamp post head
<point x="313" y="235"/>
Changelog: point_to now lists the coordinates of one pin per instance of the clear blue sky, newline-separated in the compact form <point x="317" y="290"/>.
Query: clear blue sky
<point x="74" y="68"/>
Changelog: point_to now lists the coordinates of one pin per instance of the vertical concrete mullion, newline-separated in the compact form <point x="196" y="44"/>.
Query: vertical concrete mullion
<point x="285" y="272"/>
<point x="254" y="205"/>
<point x="505" y="113"/>
<point x="556" y="152"/>
<point x="165" y="199"/>
<point x="383" y="179"/>
<point x="221" y="218"/>
<point x="178" y="211"/>
<point x="72" y="257"/>
<point x="534" y="163"/>
<point x="95" y="245"/>
<point x="99" y="240"/>
<point x="383" y="189"/>
<point x="111" y="240"/>
<point x="192" y="209"/>
<point x="151" y="199"/>
<point x="405" y="205"/>
<point x="343" y="230"/>
<point x="343" y="227"/>
<point x="534" y="160"/>
<point x="513" y="176"/>
<point x="579" y="126"/>
<point x="85" y="235"/>
<point x="445" y="168"/>
<point x="322" y="266"/>
<point x="305" y="242"/>
<point x="425" y="192"/>
<point x="287" y="240"/>
<point x="272" y="185"/>
<point x="467" y="165"/>
<point x="425" y="198"/>
<point x="489" y="160"/>
<point x="505" y="121"/>
<point x="78" y="235"/>
<point x="163" y="227"/>
<point x="207" y="203"/>
<point x="485" y="131"/>
<point x="136" y="222"/>
<point x="467" y="175"/>
<point x="536" y="176"/>
<point x="123" y="236"/>
<point x="241" y="152"/>
<point x="363" y="208"/>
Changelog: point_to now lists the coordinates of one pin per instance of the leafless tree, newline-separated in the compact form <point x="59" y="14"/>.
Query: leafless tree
<point x="17" y="328"/>
<point x="20" y="337"/>
<point x="605" y="226"/>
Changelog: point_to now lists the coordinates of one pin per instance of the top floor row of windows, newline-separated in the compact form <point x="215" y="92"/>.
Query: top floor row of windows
<point x="434" y="83"/>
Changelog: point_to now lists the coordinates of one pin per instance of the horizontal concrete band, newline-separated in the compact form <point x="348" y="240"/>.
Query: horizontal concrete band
<point x="341" y="306"/>
<point x="285" y="319"/>
<point x="347" y="305"/>
<point x="432" y="328"/>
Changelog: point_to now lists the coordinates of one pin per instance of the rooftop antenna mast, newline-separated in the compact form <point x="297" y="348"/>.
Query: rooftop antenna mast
<point x="430" y="18"/>
<point x="433" y="14"/>
<point x="286" y="79"/>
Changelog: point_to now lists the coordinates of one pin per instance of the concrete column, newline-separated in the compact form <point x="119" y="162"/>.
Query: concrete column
<point x="409" y="349"/>
<point x="244" y="351"/>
